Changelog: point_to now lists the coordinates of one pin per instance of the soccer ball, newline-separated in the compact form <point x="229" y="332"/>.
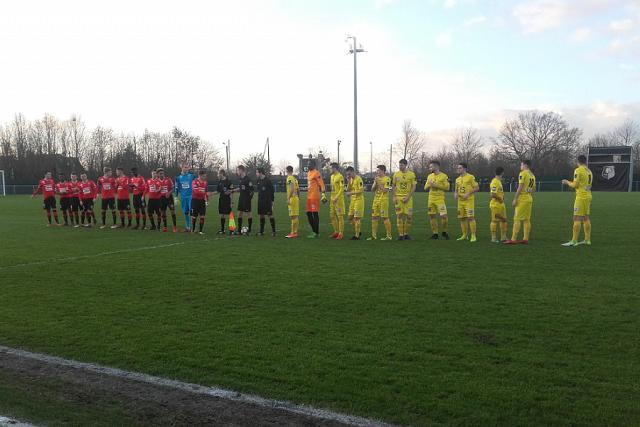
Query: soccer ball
<point x="244" y="231"/>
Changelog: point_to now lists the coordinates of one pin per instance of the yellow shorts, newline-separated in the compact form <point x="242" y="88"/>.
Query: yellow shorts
<point x="337" y="208"/>
<point x="466" y="209"/>
<point x="380" y="208"/>
<point x="437" y="208"/>
<point x="523" y="210"/>
<point x="294" y="206"/>
<point x="404" y="208"/>
<point x="356" y="208"/>
<point x="582" y="207"/>
<point x="498" y="212"/>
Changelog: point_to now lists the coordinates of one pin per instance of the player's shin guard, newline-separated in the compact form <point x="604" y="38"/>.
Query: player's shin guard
<point x="174" y="219"/>
<point x="164" y="219"/>
<point x="387" y="226"/>
<point x="193" y="221"/>
<point x="434" y="225"/>
<point x="374" y="228"/>
<point x="357" y="223"/>
<point x="407" y="225"/>
<point x="527" y="229"/>
<point x="316" y="222"/>
<point x="49" y="216"/>
<point x="262" y="223"/>
<point x="587" y="229"/>
<point x="122" y="218"/>
<point x="334" y="224"/>
<point x="340" y="224"/>
<point x="272" y="222"/>
<point x="444" y="224"/>
<point x="400" y="224"/>
<point x="201" y="224"/>
<point x="503" y="230"/>
<point x="516" y="230"/>
<point x="310" y="218"/>
<point x="494" y="231"/>
<point x="472" y="227"/>
<point x="129" y="218"/>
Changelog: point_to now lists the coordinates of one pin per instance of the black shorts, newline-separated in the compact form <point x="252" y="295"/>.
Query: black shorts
<point x="75" y="204"/>
<point x="265" y="208"/>
<point x="166" y="202"/>
<point x="65" y="203"/>
<point x="224" y="206"/>
<point x="138" y="202"/>
<point x="153" y="206"/>
<point x="198" y="207"/>
<point x="108" y="204"/>
<point x="124" y="204"/>
<point x="87" y="205"/>
<point x="49" y="203"/>
<point x="244" y="204"/>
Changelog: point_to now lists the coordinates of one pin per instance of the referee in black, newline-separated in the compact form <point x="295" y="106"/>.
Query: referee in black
<point x="266" y="196"/>
<point x="244" y="201"/>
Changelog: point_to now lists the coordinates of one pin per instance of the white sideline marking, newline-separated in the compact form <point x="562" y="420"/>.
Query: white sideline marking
<point x="10" y="422"/>
<point x="74" y="258"/>
<point x="291" y="407"/>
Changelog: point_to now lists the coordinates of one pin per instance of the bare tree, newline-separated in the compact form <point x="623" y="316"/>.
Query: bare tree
<point x="254" y="161"/>
<point x="543" y="138"/>
<point x="467" y="145"/>
<point x="410" y="143"/>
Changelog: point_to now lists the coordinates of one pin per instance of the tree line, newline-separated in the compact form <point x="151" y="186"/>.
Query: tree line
<point x="545" y="138"/>
<point x="28" y="148"/>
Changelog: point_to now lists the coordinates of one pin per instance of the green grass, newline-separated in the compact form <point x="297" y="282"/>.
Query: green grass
<point x="421" y="332"/>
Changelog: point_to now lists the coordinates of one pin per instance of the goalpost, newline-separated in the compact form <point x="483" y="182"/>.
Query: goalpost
<point x="3" y="187"/>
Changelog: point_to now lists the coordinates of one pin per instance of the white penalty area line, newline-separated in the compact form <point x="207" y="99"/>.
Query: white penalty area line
<point x="75" y="258"/>
<point x="10" y="422"/>
<point x="308" y="411"/>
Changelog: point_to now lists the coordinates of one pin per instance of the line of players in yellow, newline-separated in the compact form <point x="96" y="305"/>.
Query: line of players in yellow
<point x="402" y="186"/>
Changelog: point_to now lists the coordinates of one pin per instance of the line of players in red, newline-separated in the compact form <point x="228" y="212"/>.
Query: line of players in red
<point x="77" y="197"/>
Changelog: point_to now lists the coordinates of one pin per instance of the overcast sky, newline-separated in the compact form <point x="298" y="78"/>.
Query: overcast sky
<point x="248" y="70"/>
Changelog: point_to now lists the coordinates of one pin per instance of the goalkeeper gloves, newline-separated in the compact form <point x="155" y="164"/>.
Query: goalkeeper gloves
<point x="323" y="198"/>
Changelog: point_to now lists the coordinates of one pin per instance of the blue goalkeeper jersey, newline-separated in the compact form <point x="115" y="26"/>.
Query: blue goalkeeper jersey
<point x="183" y="185"/>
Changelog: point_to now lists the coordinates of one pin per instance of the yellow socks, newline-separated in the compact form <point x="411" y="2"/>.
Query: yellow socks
<point x="472" y="227"/>
<point x="356" y="226"/>
<point x="374" y="228"/>
<point x="463" y="227"/>
<point x="434" y="225"/>
<point x="407" y="225"/>
<point x="503" y="230"/>
<point x="334" y="224"/>
<point x="516" y="230"/>
<point x="527" y="229"/>
<point x="387" y="226"/>
<point x="294" y="225"/>
<point x="400" y="223"/>
<point x="444" y="224"/>
<point x="494" y="230"/>
<point x="340" y="224"/>
<point x="587" y="229"/>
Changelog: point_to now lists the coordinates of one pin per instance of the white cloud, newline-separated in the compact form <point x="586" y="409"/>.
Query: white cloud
<point x="476" y="20"/>
<point x="379" y="4"/>
<point x="580" y="35"/>
<point x="621" y="26"/>
<point x="444" y="39"/>
<point x="540" y="15"/>
<point x="448" y="4"/>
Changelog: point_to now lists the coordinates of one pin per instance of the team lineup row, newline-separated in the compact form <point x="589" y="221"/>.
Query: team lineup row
<point x="154" y="198"/>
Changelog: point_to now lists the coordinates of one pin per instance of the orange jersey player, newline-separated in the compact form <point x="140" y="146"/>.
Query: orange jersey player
<point x="315" y="194"/>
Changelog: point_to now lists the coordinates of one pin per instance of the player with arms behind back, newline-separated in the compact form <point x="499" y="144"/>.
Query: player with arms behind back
<point x="523" y="202"/>
<point x="75" y="199"/>
<point x="124" y="202"/>
<point x="198" y="200"/>
<point x="315" y="195"/>
<point x="65" y="190"/>
<point x="582" y="181"/>
<point x="153" y="190"/>
<point x="166" y="199"/>
<point x="88" y="195"/>
<point x="336" y="202"/>
<point x="47" y="187"/>
<point x="380" y="208"/>
<point x="498" y="208"/>
<point x="107" y="190"/>
<point x="437" y="184"/>
<point x="404" y="185"/>
<point x="466" y="187"/>
<point x="355" y="191"/>
<point x="293" y="203"/>
<point x="138" y="184"/>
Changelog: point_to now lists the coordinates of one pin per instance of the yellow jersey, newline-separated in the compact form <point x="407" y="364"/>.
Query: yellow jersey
<point x="403" y="182"/>
<point x="582" y="181"/>
<point x="528" y="181"/>
<point x="441" y="185"/>
<point x="381" y="184"/>
<point x="356" y="188"/>
<point x="498" y="190"/>
<point x="465" y="185"/>
<point x="337" y="185"/>
<point x="292" y="182"/>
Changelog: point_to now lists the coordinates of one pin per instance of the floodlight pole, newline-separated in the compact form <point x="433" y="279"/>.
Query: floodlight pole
<point x="339" y="142"/>
<point x="354" y="51"/>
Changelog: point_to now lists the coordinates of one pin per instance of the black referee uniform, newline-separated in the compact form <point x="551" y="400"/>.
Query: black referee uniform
<point x="266" y="196"/>
<point x="224" y="201"/>
<point x="244" y="201"/>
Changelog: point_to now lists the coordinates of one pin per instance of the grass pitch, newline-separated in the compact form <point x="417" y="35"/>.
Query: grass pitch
<point x="420" y="332"/>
